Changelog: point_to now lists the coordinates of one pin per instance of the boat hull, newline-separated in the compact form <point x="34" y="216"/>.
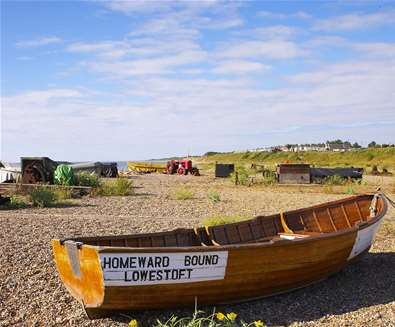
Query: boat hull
<point x="109" y="274"/>
<point x="252" y="271"/>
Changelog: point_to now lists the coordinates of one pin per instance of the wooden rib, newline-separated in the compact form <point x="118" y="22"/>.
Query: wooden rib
<point x="251" y="231"/>
<point x="284" y="224"/>
<point x="302" y="221"/>
<point x="238" y="232"/>
<point x="331" y="219"/>
<point x="316" y="221"/>
<point x="198" y="237"/>
<point x="226" y="235"/>
<point x="346" y="216"/>
<point x="125" y="242"/>
<point x="210" y="237"/>
<point x="359" y="210"/>
<point x="263" y="228"/>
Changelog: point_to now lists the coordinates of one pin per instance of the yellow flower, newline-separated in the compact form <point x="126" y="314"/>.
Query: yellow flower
<point x="220" y="316"/>
<point x="258" y="323"/>
<point x="133" y="323"/>
<point x="231" y="316"/>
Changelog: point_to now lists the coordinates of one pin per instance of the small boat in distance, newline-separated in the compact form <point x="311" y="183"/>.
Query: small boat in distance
<point x="220" y="264"/>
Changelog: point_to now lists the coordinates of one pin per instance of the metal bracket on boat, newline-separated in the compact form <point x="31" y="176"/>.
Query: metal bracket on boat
<point x="78" y="244"/>
<point x="74" y="256"/>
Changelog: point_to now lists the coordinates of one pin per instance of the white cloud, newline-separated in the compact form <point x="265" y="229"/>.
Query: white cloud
<point x="172" y="25"/>
<point x="327" y="40"/>
<point x="272" y="32"/>
<point x="149" y="66"/>
<point x="274" y="49"/>
<point x="278" y="15"/>
<point x="337" y="98"/>
<point x="39" y="97"/>
<point x="139" y="6"/>
<point x="38" y="42"/>
<point x="94" y="47"/>
<point x="240" y="67"/>
<point x="355" y="21"/>
<point x="377" y="49"/>
<point x="149" y="6"/>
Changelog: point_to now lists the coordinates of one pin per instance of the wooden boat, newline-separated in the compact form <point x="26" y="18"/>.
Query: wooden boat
<point x="221" y="264"/>
<point x="147" y="167"/>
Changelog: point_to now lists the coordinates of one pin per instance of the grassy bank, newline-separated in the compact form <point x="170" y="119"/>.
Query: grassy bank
<point x="366" y="158"/>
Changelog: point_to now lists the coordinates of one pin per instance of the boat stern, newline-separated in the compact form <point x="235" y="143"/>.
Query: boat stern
<point x="79" y="269"/>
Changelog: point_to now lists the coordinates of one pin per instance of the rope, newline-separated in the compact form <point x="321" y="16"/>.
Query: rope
<point x="391" y="202"/>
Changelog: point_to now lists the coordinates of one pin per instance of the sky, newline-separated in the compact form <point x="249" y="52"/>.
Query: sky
<point x="134" y="80"/>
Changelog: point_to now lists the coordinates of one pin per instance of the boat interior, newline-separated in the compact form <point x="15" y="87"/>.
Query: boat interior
<point x="330" y="217"/>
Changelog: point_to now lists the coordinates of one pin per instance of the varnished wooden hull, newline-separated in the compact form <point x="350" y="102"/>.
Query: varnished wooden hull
<point x="252" y="270"/>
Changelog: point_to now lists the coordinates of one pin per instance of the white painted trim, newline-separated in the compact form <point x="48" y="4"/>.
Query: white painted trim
<point x="364" y="239"/>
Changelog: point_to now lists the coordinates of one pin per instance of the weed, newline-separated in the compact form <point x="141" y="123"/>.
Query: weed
<point x="88" y="179"/>
<point x="63" y="193"/>
<point x="350" y="190"/>
<point x="222" y="219"/>
<point x="183" y="193"/>
<point x="198" y="319"/>
<point x="269" y="179"/>
<point x="335" y="180"/>
<point x="328" y="189"/>
<point x="214" y="196"/>
<point x="42" y="197"/>
<point x="16" y="202"/>
<point x="240" y="176"/>
<point x="118" y="186"/>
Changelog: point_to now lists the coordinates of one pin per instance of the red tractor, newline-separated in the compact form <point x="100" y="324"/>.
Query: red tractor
<point x="181" y="167"/>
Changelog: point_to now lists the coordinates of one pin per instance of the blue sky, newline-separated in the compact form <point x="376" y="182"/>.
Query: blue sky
<point x="119" y="80"/>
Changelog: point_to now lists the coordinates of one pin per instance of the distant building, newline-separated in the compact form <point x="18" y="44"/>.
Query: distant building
<point x="342" y="147"/>
<point x="320" y="147"/>
<point x="307" y="147"/>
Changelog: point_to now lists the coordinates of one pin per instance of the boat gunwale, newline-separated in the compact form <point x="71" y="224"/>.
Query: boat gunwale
<point x="270" y="243"/>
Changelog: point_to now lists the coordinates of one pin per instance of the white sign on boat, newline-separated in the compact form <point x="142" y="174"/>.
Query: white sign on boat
<point x="128" y="269"/>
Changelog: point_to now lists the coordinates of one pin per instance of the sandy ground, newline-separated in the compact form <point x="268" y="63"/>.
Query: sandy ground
<point x="31" y="293"/>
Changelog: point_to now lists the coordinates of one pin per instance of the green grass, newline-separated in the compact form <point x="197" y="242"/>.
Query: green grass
<point x="214" y="196"/>
<point x="118" y="187"/>
<point x="365" y="158"/>
<point x="335" y="180"/>
<point x="183" y="193"/>
<point x="16" y="202"/>
<point x="200" y="319"/>
<point x="88" y="179"/>
<point x="42" y="197"/>
<point x="269" y="179"/>
<point x="223" y="219"/>
<point x="241" y="175"/>
<point x="63" y="193"/>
